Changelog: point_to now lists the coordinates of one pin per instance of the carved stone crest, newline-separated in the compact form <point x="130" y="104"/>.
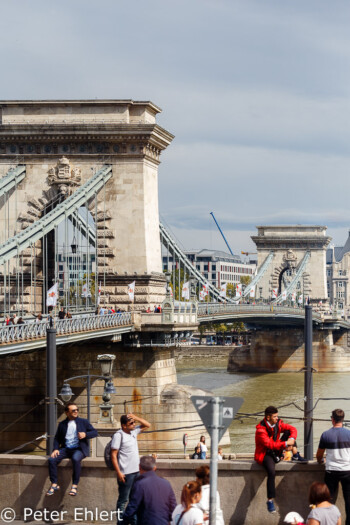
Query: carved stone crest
<point x="290" y="259"/>
<point x="64" y="177"/>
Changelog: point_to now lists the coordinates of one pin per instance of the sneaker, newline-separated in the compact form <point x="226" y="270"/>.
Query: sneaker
<point x="298" y="457"/>
<point x="270" y="506"/>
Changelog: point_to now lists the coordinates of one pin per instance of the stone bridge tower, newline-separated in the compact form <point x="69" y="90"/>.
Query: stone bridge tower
<point x="293" y="246"/>
<point x="62" y="143"/>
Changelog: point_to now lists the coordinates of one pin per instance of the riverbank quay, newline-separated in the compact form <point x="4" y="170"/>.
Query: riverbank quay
<point x="241" y="483"/>
<point x="203" y="351"/>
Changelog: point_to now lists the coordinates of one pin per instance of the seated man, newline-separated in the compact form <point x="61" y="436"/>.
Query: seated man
<point x="269" y="447"/>
<point x="71" y="441"/>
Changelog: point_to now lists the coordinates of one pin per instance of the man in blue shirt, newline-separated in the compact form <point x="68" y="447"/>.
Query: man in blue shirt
<point x="71" y="441"/>
<point x="152" y="498"/>
<point x="336" y="442"/>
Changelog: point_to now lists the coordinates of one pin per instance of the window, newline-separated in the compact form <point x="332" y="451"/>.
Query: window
<point x="206" y="267"/>
<point x="213" y="267"/>
<point x="340" y="284"/>
<point x="329" y="273"/>
<point x="213" y="276"/>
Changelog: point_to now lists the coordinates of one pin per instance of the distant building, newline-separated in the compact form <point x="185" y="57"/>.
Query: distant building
<point x="216" y="266"/>
<point x="337" y="274"/>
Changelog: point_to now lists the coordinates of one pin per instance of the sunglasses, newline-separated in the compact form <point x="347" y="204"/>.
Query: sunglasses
<point x="75" y="410"/>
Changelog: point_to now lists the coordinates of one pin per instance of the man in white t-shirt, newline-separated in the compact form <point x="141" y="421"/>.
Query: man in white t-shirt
<point x="125" y="458"/>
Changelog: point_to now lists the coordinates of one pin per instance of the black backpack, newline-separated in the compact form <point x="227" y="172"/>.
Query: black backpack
<point x="108" y="450"/>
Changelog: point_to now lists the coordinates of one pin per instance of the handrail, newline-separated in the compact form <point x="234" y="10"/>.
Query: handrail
<point x="37" y="330"/>
<point x="12" y="177"/>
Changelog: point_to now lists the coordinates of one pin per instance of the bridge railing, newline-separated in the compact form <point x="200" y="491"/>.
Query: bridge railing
<point x="34" y="330"/>
<point x="212" y="309"/>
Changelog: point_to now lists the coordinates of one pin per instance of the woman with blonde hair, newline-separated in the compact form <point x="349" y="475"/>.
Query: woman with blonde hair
<point x="186" y="513"/>
<point x="202" y="475"/>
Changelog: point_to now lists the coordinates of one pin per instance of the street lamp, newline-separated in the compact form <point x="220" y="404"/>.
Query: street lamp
<point x="106" y="360"/>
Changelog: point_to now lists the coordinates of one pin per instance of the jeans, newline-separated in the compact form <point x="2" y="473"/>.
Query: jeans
<point x="269" y="466"/>
<point x="203" y="455"/>
<point x="123" y="496"/>
<point x="75" y="454"/>
<point x="332" y="479"/>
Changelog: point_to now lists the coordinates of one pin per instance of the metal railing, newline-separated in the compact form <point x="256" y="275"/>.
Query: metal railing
<point x="212" y="309"/>
<point x="34" y="330"/>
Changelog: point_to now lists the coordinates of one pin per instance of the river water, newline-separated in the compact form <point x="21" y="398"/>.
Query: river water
<point x="261" y="390"/>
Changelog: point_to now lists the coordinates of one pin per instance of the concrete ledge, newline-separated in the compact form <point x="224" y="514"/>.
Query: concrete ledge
<point x="242" y="486"/>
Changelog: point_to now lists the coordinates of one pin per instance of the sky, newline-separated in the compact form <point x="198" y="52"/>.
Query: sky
<point x="256" y="92"/>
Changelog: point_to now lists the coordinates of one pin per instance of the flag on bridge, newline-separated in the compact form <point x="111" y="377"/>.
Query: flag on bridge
<point x="284" y="295"/>
<point x="186" y="291"/>
<point x="252" y="292"/>
<point x="223" y="290"/>
<point x="202" y="295"/>
<point x="99" y="294"/>
<point x="274" y="293"/>
<point x="131" y="290"/>
<point x="84" y="291"/>
<point x="238" y="290"/>
<point x="300" y="300"/>
<point x="205" y="288"/>
<point x="52" y="295"/>
<point x="293" y="297"/>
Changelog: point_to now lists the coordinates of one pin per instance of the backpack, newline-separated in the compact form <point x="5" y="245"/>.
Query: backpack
<point x="108" y="450"/>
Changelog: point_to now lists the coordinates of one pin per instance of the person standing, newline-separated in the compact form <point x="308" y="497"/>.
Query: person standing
<point x="125" y="459"/>
<point x="71" y="441"/>
<point x="186" y="513"/>
<point x="202" y="476"/>
<point x="204" y="448"/>
<point x="336" y="443"/>
<point x="269" y="446"/>
<point x="152" y="498"/>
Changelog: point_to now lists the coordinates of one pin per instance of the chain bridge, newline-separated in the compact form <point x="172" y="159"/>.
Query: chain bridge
<point x="79" y="219"/>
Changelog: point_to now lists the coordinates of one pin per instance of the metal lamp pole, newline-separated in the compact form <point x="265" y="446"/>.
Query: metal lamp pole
<point x="51" y="387"/>
<point x="308" y="386"/>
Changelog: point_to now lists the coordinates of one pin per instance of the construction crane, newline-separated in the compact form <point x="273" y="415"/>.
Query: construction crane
<point x="223" y="236"/>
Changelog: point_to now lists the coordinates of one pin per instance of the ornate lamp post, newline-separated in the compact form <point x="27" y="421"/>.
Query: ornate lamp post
<point x="106" y="361"/>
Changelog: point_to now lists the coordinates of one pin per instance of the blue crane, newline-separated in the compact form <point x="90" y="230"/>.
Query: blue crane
<point x="223" y="236"/>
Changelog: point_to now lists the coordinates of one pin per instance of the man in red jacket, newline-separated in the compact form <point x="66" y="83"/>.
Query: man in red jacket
<point x="269" y="447"/>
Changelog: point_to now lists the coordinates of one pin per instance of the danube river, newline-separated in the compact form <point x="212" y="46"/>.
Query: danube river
<point x="261" y="390"/>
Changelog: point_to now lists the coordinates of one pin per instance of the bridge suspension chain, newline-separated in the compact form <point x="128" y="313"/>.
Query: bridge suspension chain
<point x="293" y="284"/>
<point x="182" y="258"/>
<point x="44" y="225"/>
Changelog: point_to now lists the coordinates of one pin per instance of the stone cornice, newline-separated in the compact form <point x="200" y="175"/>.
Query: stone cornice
<point x="86" y="132"/>
<point x="309" y="243"/>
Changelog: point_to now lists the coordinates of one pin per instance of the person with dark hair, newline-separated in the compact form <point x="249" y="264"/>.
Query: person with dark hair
<point x="152" y="498"/>
<point x="125" y="458"/>
<point x="336" y="443"/>
<point x="202" y="476"/>
<point x="61" y="313"/>
<point x="197" y="452"/>
<point x="323" y="512"/>
<point x="204" y="448"/>
<point x="71" y="441"/>
<point x="186" y="513"/>
<point x="269" y="447"/>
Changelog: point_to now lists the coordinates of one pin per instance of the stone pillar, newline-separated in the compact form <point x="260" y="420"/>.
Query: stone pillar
<point x="282" y="350"/>
<point x="146" y="384"/>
